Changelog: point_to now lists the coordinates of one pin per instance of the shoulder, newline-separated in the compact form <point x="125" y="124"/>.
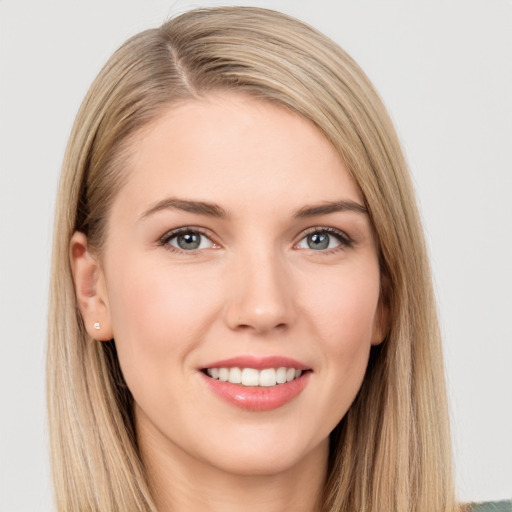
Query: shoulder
<point x="491" y="506"/>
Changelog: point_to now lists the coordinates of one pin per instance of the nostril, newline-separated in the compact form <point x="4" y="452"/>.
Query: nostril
<point x="261" y="327"/>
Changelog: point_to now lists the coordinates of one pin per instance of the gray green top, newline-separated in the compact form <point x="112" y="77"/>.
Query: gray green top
<point x="492" y="506"/>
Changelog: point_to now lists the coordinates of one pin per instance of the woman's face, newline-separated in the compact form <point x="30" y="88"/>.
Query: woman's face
<point x="239" y="241"/>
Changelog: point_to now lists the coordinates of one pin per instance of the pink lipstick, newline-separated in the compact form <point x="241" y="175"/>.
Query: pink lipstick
<point x="256" y="384"/>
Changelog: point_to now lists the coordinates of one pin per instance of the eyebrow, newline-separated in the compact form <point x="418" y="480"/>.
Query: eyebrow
<point x="200" y="207"/>
<point x="330" y="207"/>
<point x="214" y="210"/>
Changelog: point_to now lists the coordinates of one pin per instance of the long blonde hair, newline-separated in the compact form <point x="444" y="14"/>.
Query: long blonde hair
<point x="391" y="452"/>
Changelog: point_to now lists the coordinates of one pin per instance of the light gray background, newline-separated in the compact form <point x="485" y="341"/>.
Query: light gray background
<point x="444" y="69"/>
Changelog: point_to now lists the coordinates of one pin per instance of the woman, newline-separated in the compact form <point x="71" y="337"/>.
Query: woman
<point x="241" y="314"/>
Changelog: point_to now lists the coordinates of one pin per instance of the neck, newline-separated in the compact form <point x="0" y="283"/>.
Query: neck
<point x="181" y="483"/>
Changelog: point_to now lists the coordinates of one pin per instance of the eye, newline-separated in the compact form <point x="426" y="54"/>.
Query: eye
<point x="187" y="239"/>
<point x="324" y="239"/>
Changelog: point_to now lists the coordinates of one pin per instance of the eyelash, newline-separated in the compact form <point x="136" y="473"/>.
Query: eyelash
<point x="165" y="240"/>
<point x="344" y="240"/>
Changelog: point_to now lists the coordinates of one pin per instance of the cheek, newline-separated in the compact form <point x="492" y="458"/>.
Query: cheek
<point x="344" y="316"/>
<point x="344" y="307"/>
<point x="148" y="297"/>
<point x="158" y="316"/>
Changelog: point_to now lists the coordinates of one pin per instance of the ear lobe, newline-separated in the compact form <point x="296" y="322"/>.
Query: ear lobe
<point x="380" y="323"/>
<point x="90" y="289"/>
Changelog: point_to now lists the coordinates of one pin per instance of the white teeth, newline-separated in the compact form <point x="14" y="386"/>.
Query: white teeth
<point x="281" y="375"/>
<point x="223" y="374"/>
<point x="235" y="375"/>
<point x="251" y="377"/>
<point x="268" y="377"/>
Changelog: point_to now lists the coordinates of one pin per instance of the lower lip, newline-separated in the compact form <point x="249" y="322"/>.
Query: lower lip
<point x="257" y="398"/>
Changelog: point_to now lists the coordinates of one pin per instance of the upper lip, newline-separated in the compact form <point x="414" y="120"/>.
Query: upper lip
<point x="258" y="363"/>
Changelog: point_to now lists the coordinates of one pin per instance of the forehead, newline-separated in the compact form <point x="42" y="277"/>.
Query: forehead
<point x="237" y="150"/>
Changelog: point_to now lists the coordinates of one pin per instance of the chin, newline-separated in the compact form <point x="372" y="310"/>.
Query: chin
<point x="268" y="457"/>
<point x="257" y="466"/>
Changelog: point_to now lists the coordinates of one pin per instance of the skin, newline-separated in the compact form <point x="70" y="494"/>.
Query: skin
<point x="253" y="287"/>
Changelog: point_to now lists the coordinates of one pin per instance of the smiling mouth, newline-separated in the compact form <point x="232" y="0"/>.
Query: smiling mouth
<point x="251" y="377"/>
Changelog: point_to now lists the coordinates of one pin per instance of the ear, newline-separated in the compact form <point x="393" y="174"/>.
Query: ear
<point x="380" y="323"/>
<point x="381" y="320"/>
<point x="90" y="289"/>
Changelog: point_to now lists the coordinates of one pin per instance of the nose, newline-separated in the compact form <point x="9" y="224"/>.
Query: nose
<point x="261" y="298"/>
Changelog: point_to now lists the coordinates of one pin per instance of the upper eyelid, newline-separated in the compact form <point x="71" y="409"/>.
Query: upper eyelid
<point x="325" y="229"/>
<point x="186" y="229"/>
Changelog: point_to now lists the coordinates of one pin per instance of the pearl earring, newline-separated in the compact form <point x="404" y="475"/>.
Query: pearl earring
<point x="97" y="326"/>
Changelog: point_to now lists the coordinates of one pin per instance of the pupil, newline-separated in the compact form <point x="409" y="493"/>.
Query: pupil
<point x="318" y="241"/>
<point x="189" y="241"/>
